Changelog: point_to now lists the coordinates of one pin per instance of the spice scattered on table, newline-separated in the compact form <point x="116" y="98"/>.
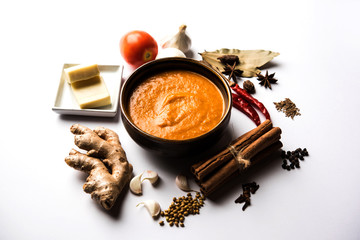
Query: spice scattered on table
<point x="182" y="207"/>
<point x="180" y="40"/>
<point x="288" y="107"/>
<point x="152" y="206"/>
<point x="182" y="183"/>
<point x="250" y="99"/>
<point x="266" y="80"/>
<point x="229" y="59"/>
<point x="293" y="157"/>
<point x="243" y="106"/>
<point x="249" y="60"/>
<point x="230" y="62"/>
<point x="107" y="153"/>
<point x="249" y="86"/>
<point x="242" y="154"/>
<point x="248" y="189"/>
<point x="232" y="72"/>
<point x="244" y="102"/>
<point x="135" y="183"/>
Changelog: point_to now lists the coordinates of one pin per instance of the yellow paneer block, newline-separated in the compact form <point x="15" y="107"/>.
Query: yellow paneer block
<point x="81" y="72"/>
<point x="91" y="93"/>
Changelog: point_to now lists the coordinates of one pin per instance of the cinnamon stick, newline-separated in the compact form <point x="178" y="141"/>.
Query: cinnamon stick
<point x="243" y="152"/>
<point x="261" y="143"/>
<point x="224" y="174"/>
<point x="206" y="167"/>
<point x="265" y="153"/>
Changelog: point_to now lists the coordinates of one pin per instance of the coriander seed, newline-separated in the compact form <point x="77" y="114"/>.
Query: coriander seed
<point x="182" y="207"/>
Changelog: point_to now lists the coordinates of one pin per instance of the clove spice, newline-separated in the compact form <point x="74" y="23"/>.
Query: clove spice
<point x="248" y="189"/>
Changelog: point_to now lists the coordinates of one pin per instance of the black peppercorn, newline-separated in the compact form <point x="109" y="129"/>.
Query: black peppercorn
<point x="305" y="152"/>
<point x="293" y="157"/>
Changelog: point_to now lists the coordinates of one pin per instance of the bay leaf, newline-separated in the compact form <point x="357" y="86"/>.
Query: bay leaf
<point x="250" y="60"/>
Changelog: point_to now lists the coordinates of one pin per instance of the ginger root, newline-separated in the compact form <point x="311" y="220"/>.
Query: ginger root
<point x="105" y="162"/>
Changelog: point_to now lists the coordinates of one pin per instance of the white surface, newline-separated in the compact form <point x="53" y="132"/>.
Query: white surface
<point x="65" y="101"/>
<point x="42" y="198"/>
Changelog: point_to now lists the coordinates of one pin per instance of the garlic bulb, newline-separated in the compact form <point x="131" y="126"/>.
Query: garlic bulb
<point x="170" y="52"/>
<point x="182" y="183"/>
<point x="152" y="206"/>
<point x="152" y="176"/>
<point x="180" y="40"/>
<point x="135" y="184"/>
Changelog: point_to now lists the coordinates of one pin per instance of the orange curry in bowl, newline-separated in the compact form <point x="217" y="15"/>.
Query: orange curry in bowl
<point x="176" y="105"/>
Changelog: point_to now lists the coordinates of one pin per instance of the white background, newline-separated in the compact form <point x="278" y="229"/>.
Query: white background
<point x="318" y="41"/>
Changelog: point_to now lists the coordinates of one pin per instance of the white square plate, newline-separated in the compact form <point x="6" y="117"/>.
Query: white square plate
<point x="65" y="102"/>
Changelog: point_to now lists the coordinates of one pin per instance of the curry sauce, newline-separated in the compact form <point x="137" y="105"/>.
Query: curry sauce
<point x="176" y="105"/>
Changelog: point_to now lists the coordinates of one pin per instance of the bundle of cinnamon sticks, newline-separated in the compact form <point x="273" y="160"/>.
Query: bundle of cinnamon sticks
<point x="243" y="153"/>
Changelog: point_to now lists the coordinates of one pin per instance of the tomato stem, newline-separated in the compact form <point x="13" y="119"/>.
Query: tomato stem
<point x="147" y="55"/>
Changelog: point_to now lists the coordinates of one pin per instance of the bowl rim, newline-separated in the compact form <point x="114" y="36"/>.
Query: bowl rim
<point x="227" y="111"/>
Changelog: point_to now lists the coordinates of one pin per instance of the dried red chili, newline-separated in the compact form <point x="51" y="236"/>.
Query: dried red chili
<point x="243" y="100"/>
<point x="251" y="100"/>
<point x="246" y="108"/>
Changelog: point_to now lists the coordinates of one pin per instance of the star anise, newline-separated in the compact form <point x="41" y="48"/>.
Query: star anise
<point x="232" y="72"/>
<point x="266" y="80"/>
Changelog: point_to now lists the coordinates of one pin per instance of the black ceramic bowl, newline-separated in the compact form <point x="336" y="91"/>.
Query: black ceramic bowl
<point x="174" y="147"/>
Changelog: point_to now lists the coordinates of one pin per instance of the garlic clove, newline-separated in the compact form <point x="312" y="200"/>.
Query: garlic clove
<point x="182" y="182"/>
<point x="152" y="176"/>
<point x="180" y="40"/>
<point x="152" y="206"/>
<point x="170" y="52"/>
<point x="135" y="184"/>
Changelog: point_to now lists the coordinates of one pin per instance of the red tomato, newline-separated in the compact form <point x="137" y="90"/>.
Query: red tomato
<point x="138" y="47"/>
